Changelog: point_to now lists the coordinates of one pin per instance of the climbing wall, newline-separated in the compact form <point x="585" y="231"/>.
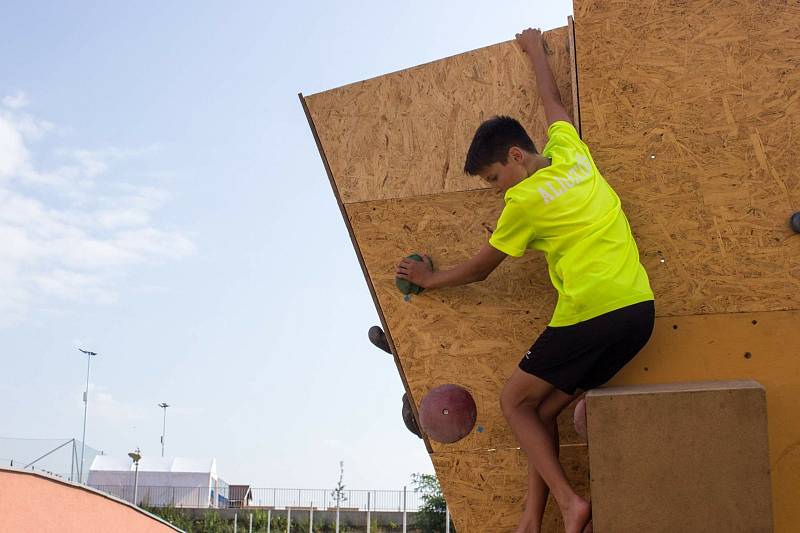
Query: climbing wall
<point x="691" y="110"/>
<point x="394" y="147"/>
<point x="692" y="113"/>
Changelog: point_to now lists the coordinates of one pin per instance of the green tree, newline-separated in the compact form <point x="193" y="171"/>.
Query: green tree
<point x="430" y="517"/>
<point x="173" y="516"/>
<point x="278" y="523"/>
<point x="214" y="523"/>
<point x="260" y="517"/>
<point x="338" y="494"/>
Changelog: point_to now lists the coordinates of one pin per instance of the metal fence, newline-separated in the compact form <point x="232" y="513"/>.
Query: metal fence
<point x="272" y="498"/>
<point x="55" y="457"/>
<point x="356" y="500"/>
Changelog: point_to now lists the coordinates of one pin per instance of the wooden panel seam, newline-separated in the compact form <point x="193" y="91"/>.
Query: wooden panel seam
<point x="426" y="195"/>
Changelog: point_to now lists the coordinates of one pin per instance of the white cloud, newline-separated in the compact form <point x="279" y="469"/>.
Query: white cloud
<point x="13" y="155"/>
<point x="14" y="295"/>
<point x="71" y="233"/>
<point x="105" y="406"/>
<point x="122" y="218"/>
<point x="153" y="242"/>
<point x="29" y="127"/>
<point x="92" y="163"/>
<point x="71" y="285"/>
<point x="16" y="101"/>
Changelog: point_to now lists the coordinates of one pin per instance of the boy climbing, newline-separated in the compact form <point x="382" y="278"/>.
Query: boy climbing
<point x="556" y="202"/>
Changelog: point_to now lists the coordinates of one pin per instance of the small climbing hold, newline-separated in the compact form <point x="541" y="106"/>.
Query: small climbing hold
<point x="378" y="338"/>
<point x="405" y="286"/>
<point x="794" y="222"/>
<point x="448" y="413"/>
<point x="408" y="417"/>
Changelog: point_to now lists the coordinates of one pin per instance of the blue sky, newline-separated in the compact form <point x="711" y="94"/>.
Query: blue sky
<point x="162" y="202"/>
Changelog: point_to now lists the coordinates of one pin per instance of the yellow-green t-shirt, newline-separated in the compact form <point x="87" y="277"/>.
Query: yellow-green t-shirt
<point x="568" y="211"/>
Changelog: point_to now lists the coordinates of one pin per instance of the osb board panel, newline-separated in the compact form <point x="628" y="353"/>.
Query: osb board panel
<point x="486" y="490"/>
<point x="706" y="446"/>
<point x="692" y="112"/>
<point x="760" y="346"/>
<point x="407" y="133"/>
<point x="473" y="336"/>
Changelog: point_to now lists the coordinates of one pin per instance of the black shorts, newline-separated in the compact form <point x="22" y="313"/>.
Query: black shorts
<point x="588" y="354"/>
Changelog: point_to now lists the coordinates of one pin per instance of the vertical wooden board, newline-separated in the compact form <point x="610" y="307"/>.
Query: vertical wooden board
<point x="759" y="346"/>
<point x="704" y="442"/>
<point x="472" y="336"/>
<point x="573" y="63"/>
<point x="407" y="133"/>
<point x="486" y="490"/>
<point x="692" y="111"/>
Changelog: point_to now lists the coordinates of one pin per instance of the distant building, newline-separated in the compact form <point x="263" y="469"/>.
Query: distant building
<point x="239" y="495"/>
<point x="176" y="481"/>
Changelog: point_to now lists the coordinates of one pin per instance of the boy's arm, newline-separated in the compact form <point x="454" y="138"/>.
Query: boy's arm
<point x="475" y="269"/>
<point x="531" y="42"/>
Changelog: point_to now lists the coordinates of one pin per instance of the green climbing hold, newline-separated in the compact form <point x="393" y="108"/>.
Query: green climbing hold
<point x="405" y="286"/>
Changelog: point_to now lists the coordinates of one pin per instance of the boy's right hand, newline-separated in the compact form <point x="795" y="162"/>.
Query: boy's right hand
<point x="530" y="39"/>
<point x="417" y="272"/>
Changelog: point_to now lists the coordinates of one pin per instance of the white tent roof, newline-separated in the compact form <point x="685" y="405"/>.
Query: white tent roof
<point x="193" y="481"/>
<point x="110" y="463"/>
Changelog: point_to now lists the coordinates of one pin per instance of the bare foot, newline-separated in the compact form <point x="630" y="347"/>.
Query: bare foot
<point x="525" y="524"/>
<point x="525" y="527"/>
<point x="577" y="515"/>
<point x="588" y="528"/>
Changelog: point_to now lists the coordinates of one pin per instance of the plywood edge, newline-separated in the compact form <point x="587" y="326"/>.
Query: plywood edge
<point x="678" y="387"/>
<point x="362" y="263"/>
<point x="573" y="65"/>
<point x="421" y="65"/>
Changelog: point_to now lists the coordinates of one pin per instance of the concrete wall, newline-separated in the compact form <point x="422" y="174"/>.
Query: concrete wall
<point x="34" y="502"/>
<point x="301" y="516"/>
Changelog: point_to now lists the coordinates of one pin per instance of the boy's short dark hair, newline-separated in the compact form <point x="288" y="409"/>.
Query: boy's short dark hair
<point x="492" y="141"/>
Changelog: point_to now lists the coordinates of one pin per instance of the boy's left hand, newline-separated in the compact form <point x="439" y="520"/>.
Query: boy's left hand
<point x="417" y="272"/>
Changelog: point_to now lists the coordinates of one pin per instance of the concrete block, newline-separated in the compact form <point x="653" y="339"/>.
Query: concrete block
<point x="690" y="457"/>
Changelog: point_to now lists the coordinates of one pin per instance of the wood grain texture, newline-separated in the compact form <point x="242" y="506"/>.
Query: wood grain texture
<point x="710" y="347"/>
<point x="407" y="133"/>
<point x="706" y="445"/>
<point x="486" y="489"/>
<point x="473" y="336"/>
<point x="692" y="112"/>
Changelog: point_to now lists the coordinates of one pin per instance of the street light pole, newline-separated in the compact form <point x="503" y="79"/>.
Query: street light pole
<point x="135" y="456"/>
<point x="85" y="408"/>
<point x="164" y="406"/>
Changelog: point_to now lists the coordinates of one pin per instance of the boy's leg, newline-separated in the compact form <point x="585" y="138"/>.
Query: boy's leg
<point x="536" y="500"/>
<point x="521" y="397"/>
